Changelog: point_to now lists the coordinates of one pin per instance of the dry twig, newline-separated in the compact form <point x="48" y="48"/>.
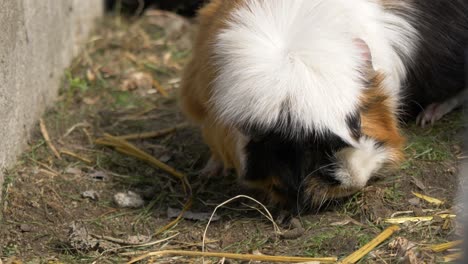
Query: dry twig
<point x="154" y="134"/>
<point x="160" y="89"/>
<point x="45" y="134"/>
<point x="71" y="129"/>
<point x="45" y="166"/>
<point x="76" y="156"/>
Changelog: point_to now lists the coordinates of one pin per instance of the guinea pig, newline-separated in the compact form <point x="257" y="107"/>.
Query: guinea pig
<point x="303" y="98"/>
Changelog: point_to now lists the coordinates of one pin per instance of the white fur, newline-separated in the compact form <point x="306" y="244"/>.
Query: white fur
<point x="356" y="165"/>
<point x="300" y="53"/>
<point x="241" y="143"/>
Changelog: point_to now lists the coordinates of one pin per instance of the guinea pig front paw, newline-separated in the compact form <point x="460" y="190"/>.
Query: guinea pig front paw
<point x="213" y="167"/>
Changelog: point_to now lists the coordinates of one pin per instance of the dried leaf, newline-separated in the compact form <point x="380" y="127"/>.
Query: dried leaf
<point x="80" y="239"/>
<point x="137" y="80"/>
<point x="418" y="183"/>
<point x="90" y="75"/>
<point x="91" y="100"/>
<point x="405" y="250"/>
<point x="138" y="239"/>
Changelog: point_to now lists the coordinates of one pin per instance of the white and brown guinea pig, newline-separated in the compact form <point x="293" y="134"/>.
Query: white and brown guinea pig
<point x="303" y="97"/>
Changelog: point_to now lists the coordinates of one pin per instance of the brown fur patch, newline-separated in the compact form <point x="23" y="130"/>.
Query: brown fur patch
<point x="195" y="90"/>
<point x="222" y="141"/>
<point x="378" y="119"/>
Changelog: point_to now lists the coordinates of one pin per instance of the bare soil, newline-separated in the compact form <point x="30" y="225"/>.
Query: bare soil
<point x="110" y="88"/>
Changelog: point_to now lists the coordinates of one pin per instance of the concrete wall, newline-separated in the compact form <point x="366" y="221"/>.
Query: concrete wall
<point x="38" y="39"/>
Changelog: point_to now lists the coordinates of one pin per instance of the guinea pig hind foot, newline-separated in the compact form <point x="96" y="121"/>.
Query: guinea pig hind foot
<point x="213" y="167"/>
<point x="436" y="111"/>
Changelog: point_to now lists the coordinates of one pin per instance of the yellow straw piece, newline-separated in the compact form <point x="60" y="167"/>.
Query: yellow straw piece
<point x="445" y="246"/>
<point x="356" y="256"/>
<point x="76" y="156"/>
<point x="428" y="199"/>
<point x="401" y="220"/>
<point x="453" y="257"/>
<point x="246" y="257"/>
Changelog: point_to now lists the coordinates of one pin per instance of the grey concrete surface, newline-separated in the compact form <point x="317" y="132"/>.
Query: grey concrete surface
<point x="38" y="39"/>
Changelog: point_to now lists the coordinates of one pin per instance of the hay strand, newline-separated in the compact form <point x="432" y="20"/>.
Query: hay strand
<point x="245" y="257"/>
<point x="76" y="156"/>
<point x="160" y="89"/>
<point x="155" y="134"/>
<point x="359" y="254"/>
<point x="453" y="257"/>
<point x="445" y="246"/>
<point x="270" y="217"/>
<point x="428" y="199"/>
<point x="401" y="220"/>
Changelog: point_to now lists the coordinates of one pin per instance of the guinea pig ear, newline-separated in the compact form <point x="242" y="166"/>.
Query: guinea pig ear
<point x="366" y="54"/>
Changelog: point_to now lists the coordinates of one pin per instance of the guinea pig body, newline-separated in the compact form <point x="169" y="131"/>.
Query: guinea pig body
<point x="301" y="97"/>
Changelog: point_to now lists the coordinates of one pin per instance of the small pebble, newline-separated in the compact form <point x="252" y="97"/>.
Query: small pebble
<point x="25" y="228"/>
<point x="128" y="200"/>
<point x="165" y="157"/>
<point x="139" y="239"/>
<point x="91" y="194"/>
<point x="414" y="201"/>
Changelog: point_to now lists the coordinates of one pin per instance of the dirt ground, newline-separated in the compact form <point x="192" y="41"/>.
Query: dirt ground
<point x="63" y="210"/>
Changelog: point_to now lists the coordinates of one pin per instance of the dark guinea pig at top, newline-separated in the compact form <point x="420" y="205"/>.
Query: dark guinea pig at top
<point x="303" y="98"/>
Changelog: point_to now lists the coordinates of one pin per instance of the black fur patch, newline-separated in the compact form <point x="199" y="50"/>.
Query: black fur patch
<point x="436" y="72"/>
<point x="291" y="161"/>
<point x="354" y="125"/>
